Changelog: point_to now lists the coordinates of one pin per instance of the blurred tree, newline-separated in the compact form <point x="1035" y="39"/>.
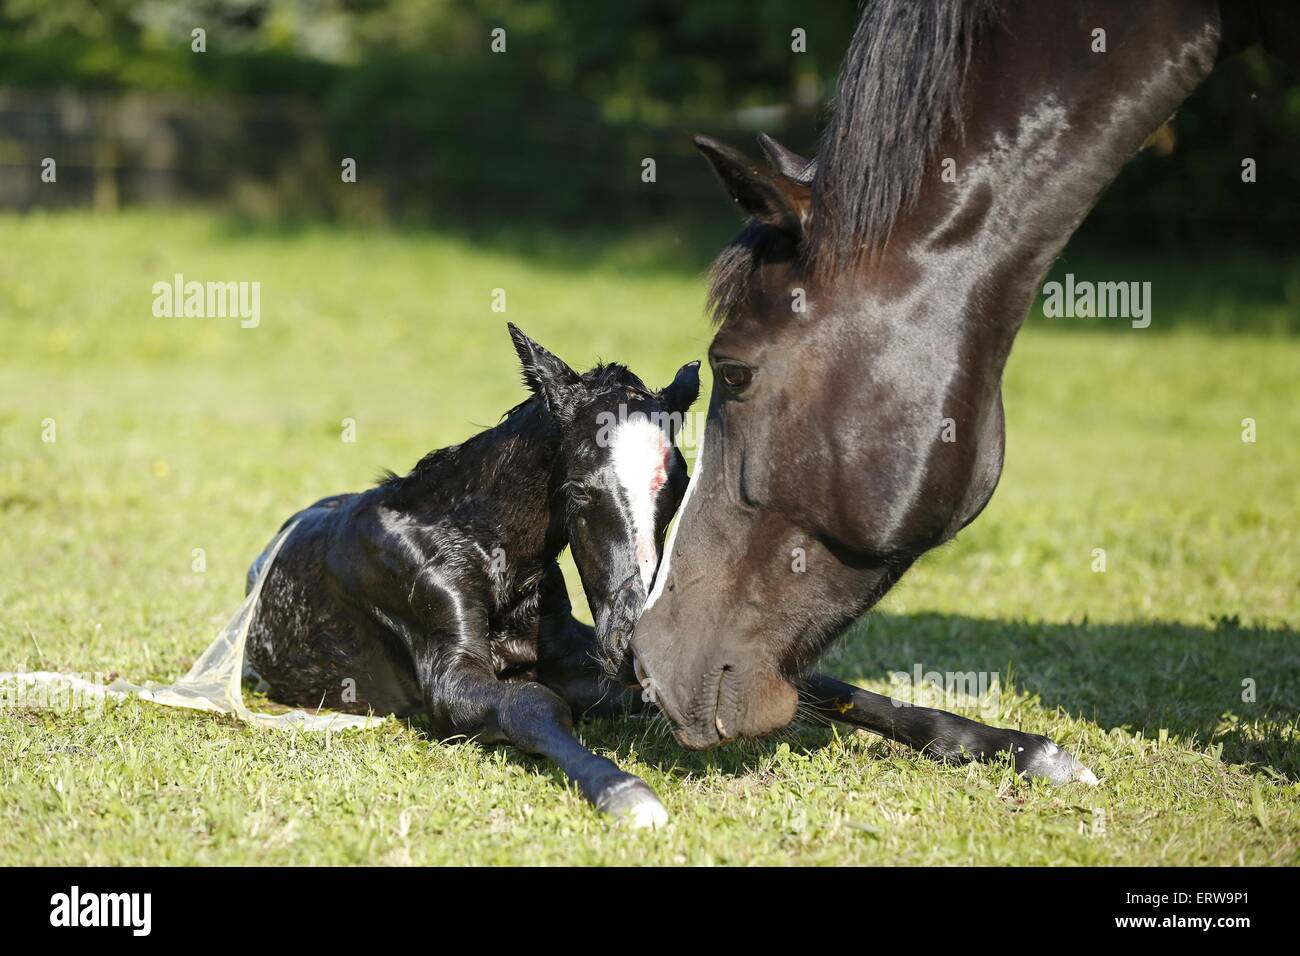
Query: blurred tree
<point x="558" y="125"/>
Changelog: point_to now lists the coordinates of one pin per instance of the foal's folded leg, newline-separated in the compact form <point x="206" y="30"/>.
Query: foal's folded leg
<point x="569" y="667"/>
<point x="470" y="700"/>
<point x="938" y="733"/>
<point x="589" y="694"/>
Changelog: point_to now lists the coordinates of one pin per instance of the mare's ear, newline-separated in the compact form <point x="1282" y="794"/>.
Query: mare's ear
<point x="545" y="374"/>
<point x="680" y="394"/>
<point x="786" y="161"/>
<point x="764" y="193"/>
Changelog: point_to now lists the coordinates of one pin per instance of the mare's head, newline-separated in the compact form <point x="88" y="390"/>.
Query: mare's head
<point x="846" y="352"/>
<point x="865" y="316"/>
<point x="620" y="478"/>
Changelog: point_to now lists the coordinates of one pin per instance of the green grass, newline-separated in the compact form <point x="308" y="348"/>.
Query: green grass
<point x="177" y="434"/>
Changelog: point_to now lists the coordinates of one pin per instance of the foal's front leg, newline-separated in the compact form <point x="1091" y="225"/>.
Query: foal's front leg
<point x="938" y="733"/>
<point x="570" y="664"/>
<point x="466" y="698"/>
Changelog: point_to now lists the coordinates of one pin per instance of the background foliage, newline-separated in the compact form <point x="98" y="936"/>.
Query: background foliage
<point x="555" y="129"/>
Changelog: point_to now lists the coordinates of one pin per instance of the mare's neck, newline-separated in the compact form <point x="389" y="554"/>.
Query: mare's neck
<point x="1049" y="124"/>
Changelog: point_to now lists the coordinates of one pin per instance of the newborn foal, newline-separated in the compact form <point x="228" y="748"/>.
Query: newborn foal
<point x="439" y="592"/>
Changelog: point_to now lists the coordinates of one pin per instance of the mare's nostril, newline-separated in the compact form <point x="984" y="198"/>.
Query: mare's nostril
<point x="723" y="734"/>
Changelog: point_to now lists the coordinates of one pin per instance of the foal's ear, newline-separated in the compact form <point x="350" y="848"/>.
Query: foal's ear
<point x="764" y="193"/>
<point x="680" y="394"/>
<point x="546" y="375"/>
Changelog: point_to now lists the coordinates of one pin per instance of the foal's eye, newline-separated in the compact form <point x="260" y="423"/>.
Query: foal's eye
<point x="735" y="376"/>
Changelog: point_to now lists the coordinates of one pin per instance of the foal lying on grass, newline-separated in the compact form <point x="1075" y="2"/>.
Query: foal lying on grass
<point x="439" y="592"/>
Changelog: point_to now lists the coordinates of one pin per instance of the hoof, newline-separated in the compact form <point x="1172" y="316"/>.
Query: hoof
<point x="1042" y="758"/>
<point x="632" y="802"/>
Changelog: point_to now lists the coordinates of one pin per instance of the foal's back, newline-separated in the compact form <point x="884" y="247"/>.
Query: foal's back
<point x="308" y="639"/>
<point x="334" y="627"/>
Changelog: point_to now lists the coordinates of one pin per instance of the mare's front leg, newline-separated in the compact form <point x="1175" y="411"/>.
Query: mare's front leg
<point x="938" y="733"/>
<point x="465" y="697"/>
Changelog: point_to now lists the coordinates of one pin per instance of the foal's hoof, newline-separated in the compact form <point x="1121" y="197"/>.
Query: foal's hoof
<point x="1042" y="758"/>
<point x="633" y="803"/>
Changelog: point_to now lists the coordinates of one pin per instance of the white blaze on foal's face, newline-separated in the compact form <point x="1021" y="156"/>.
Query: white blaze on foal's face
<point x="640" y="452"/>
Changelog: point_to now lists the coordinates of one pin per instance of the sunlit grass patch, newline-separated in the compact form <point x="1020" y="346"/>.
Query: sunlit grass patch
<point x="1174" y="673"/>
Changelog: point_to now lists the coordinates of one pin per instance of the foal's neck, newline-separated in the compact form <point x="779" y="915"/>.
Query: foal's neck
<point x="505" y="478"/>
<point x="520" y="479"/>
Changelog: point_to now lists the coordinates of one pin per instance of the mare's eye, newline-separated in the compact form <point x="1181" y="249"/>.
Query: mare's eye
<point x="734" y="375"/>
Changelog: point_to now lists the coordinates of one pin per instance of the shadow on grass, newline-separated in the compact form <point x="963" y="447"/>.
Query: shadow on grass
<point x="1223" y="686"/>
<point x="1192" y="682"/>
<point x="683" y="249"/>
<point x="1196" y="683"/>
<point x="1222" y="289"/>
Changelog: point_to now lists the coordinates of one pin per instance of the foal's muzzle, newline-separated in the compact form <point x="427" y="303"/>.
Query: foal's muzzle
<point x="614" y="627"/>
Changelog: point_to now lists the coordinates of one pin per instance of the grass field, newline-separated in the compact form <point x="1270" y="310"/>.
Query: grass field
<point x="179" y="434"/>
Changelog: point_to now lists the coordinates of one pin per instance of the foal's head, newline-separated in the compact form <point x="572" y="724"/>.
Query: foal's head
<point x="620" y="478"/>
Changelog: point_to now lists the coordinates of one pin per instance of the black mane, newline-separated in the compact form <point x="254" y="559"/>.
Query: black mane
<point x="899" y="88"/>
<point x="731" y="273"/>
<point x="611" y="375"/>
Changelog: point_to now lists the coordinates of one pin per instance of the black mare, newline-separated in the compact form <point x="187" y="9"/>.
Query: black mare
<point x="969" y="140"/>
<point x="439" y="593"/>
